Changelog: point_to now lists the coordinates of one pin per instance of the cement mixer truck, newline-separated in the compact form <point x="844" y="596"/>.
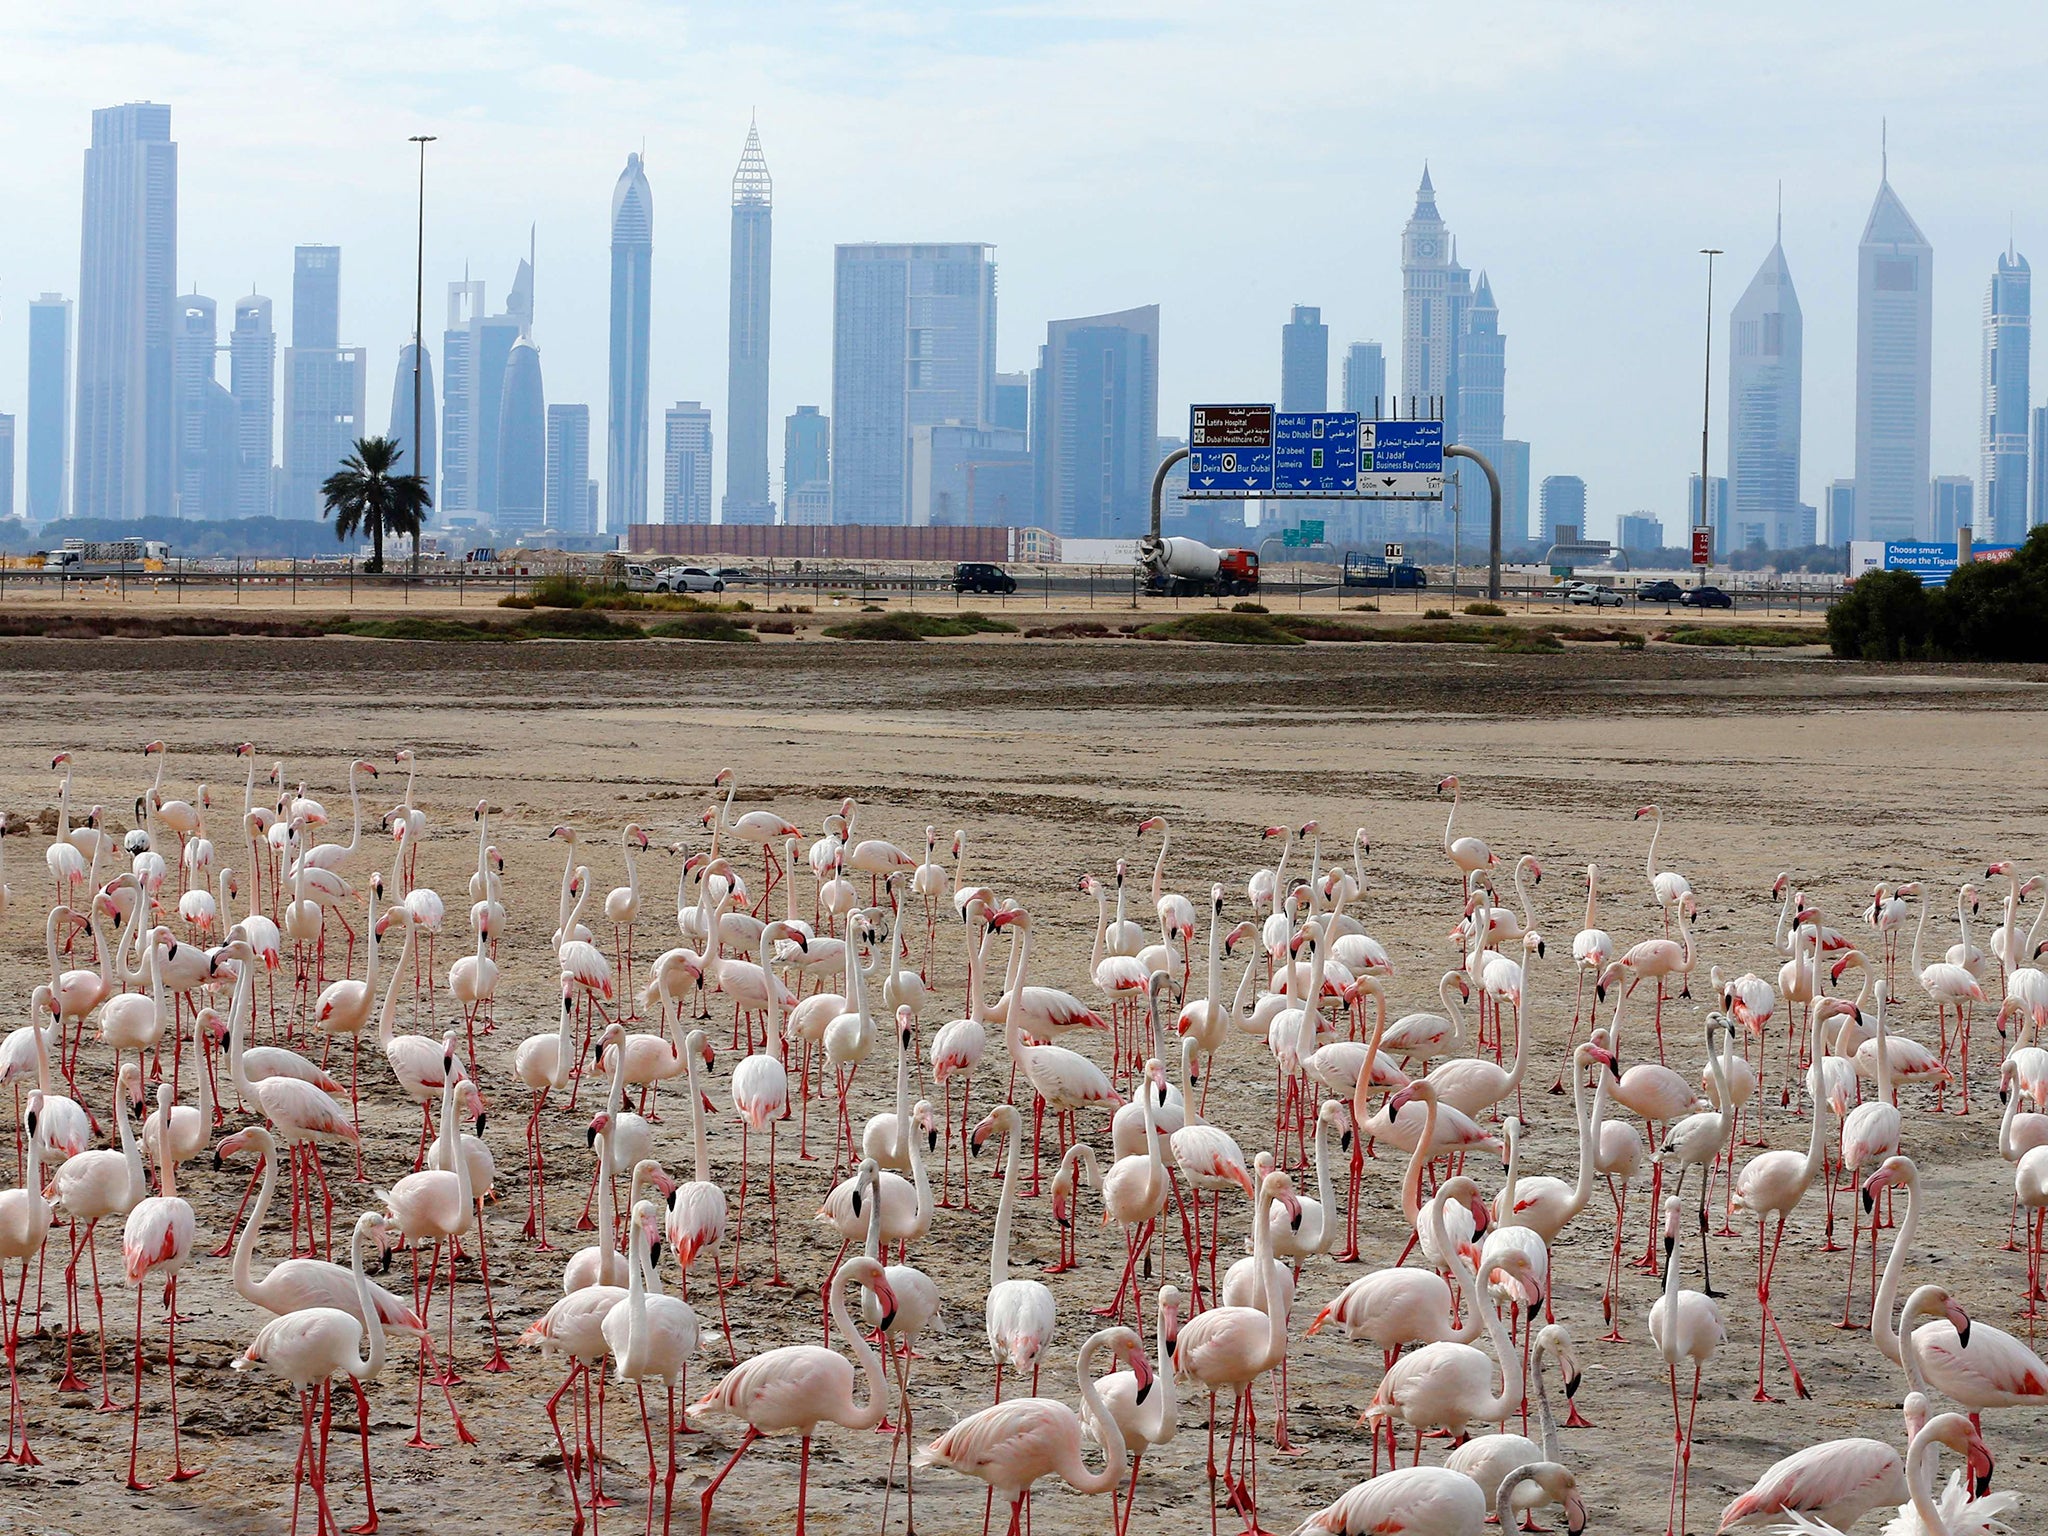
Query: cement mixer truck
<point x="1179" y="567"/>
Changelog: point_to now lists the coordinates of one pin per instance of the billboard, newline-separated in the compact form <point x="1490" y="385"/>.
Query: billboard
<point x="1932" y="563"/>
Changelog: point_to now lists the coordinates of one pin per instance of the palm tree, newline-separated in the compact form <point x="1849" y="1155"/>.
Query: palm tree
<point x="365" y="495"/>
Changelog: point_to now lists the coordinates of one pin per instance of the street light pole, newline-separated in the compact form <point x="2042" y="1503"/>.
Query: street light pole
<point x="419" y="299"/>
<point x="1699" y="575"/>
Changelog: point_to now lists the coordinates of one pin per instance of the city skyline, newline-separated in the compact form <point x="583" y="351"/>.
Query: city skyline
<point x="846" y="171"/>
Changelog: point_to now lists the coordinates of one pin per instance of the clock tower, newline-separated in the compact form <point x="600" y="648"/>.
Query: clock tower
<point x="1428" y="333"/>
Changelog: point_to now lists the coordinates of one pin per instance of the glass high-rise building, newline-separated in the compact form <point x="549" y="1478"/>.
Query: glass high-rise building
<point x="568" y="506"/>
<point x="1097" y="424"/>
<point x="1365" y="378"/>
<point x="1513" y="469"/>
<point x="746" y="376"/>
<point x="1011" y="409"/>
<point x="1304" y="361"/>
<point x="49" y="407"/>
<point x="686" y="483"/>
<point x="630" y="403"/>
<point x="1839" y="502"/>
<point x="6" y="465"/>
<point x="1765" y="335"/>
<point x="326" y="385"/>
<point x="1563" y="505"/>
<point x="522" y="445"/>
<point x="460" y="434"/>
<point x="1482" y="404"/>
<point x="203" y="413"/>
<point x="125" y="459"/>
<point x="807" y="466"/>
<point x="913" y="344"/>
<point x="316" y="296"/>
<point x="1954" y="508"/>
<point x="252" y="380"/>
<point x="2001" y="513"/>
<point x="2038" y="507"/>
<point x="419" y="462"/>
<point x="1894" y="371"/>
<point x="1435" y="294"/>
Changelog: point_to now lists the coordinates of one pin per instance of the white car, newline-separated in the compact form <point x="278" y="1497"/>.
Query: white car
<point x="688" y="578"/>
<point x="1586" y="593"/>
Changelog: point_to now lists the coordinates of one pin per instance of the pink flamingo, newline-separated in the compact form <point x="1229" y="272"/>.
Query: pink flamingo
<point x="651" y="1337"/>
<point x="1660" y="960"/>
<point x="1436" y="1501"/>
<point x="543" y="1063"/>
<point x="309" y="1346"/>
<point x="1684" y="1325"/>
<point x="157" y="1240"/>
<point x="1469" y="854"/>
<point x="1010" y="1446"/>
<point x="800" y="1386"/>
<point x="1020" y="1314"/>
<point x="1836" y="1483"/>
<point x="695" y="1222"/>
<point x="24" y="1225"/>
<point x="91" y="1187"/>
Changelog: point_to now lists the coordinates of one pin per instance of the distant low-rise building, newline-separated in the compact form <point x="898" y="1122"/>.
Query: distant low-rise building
<point x="1639" y="530"/>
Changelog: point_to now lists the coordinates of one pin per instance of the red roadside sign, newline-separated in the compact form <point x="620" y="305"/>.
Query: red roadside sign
<point x="1702" y="545"/>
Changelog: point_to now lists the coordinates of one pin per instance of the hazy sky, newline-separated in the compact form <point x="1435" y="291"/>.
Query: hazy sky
<point x="1223" y="160"/>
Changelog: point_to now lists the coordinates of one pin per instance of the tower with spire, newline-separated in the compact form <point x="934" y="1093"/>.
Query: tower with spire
<point x="2001" y="511"/>
<point x="1894" y="369"/>
<point x="1764" y="394"/>
<point x="1436" y="305"/>
<point x="630" y="402"/>
<point x="746" y="381"/>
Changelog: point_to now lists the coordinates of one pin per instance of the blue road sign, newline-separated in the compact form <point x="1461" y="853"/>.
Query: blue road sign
<point x="1315" y="451"/>
<point x="1230" y="471"/>
<point x="1407" y="448"/>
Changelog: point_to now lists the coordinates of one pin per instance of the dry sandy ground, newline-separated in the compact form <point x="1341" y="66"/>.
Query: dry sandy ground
<point x="1049" y="755"/>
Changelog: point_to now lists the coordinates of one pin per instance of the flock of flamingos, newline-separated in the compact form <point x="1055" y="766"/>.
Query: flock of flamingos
<point x="271" y="951"/>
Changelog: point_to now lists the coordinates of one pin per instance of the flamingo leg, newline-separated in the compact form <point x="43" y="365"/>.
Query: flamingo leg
<point x="711" y="1489"/>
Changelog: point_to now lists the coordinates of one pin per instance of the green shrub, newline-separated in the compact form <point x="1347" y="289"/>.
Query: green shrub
<point x="1884" y="616"/>
<point x="1365" y="608"/>
<point x="1310" y="627"/>
<point x="775" y="626"/>
<point x="1750" y="636"/>
<point x="1072" y="629"/>
<point x="1524" y="642"/>
<point x="560" y="592"/>
<point x="920" y="626"/>
<point x="1486" y="610"/>
<point x="1436" y="613"/>
<point x="703" y="626"/>
<point x="574" y="624"/>
<point x="1221" y="629"/>
<point x="1248" y="606"/>
<point x="423" y="629"/>
<point x="1631" y="641"/>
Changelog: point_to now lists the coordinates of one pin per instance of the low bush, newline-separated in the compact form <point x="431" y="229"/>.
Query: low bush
<point x="703" y="626"/>
<point x="1750" y="636"/>
<point x="1072" y="629"/>
<point x="775" y="626"/>
<point x="1221" y="629"/>
<point x="1436" y="613"/>
<point x="920" y="626"/>
<point x="1310" y="627"/>
<point x="1248" y="606"/>
<point x="1484" y="610"/>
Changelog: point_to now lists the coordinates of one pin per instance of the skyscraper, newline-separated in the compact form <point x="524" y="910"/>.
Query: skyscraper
<point x="203" y="413"/>
<point x="522" y="443"/>
<point x="1097" y="426"/>
<point x="1839" y="501"/>
<point x="630" y="403"/>
<point x="1719" y="518"/>
<point x="2038" y="507"/>
<point x="686" y="485"/>
<point x="1638" y="530"/>
<point x="1365" y="378"/>
<point x="913" y="344"/>
<point x="1764" y="393"/>
<point x="252" y="380"/>
<point x="1011" y="408"/>
<point x="746" y="386"/>
<point x="1513" y="469"/>
<point x="325" y="383"/>
<point x="2001" y="516"/>
<point x="460" y="437"/>
<point x="316" y="296"/>
<point x="1304" y="362"/>
<point x="6" y="465"/>
<point x="807" y="466"/>
<point x="1563" y="506"/>
<point x="49" y="407"/>
<point x="422" y="461"/>
<point x="1435" y="291"/>
<point x="123" y="466"/>
<point x="1482" y="396"/>
<point x="1894" y="370"/>
<point x="1954" y="508"/>
<point x="568" y="469"/>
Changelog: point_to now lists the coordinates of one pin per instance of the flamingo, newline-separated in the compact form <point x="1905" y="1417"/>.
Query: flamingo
<point x="800" y="1386"/>
<point x="1233" y="1347"/>
<point x="1592" y="950"/>
<point x="652" y="1338"/>
<point x="417" y="1061"/>
<point x="339" y="858"/>
<point x="1698" y="1140"/>
<point x="543" y="1063"/>
<point x="1973" y="1364"/>
<point x="1437" y="1501"/>
<point x="622" y="903"/>
<point x="695" y="1222"/>
<point x="1956" y="1513"/>
<point x="1835" y="1483"/>
<point x="760" y="1097"/>
<point x="1771" y="1185"/>
<point x="930" y="883"/>
<point x="957" y="1049"/>
<point x="1870" y="1134"/>
<point x="1949" y="984"/>
<point x="157" y="1240"/>
<point x="24" y="1226"/>
<point x="1020" y="1314"/>
<point x="309" y="1346"/>
<point x="1123" y="1396"/>
<point x="1490" y="1459"/>
<point x="1684" y="1325"/>
<point x="437" y="1204"/>
<point x="574" y="1326"/>
<point x="917" y="1304"/>
<point x="343" y="1009"/>
<point x="1010" y="1446"/>
<point x="1659" y="960"/>
<point x="1667" y="886"/>
<point x="1065" y="1081"/>
<point x="1469" y="854"/>
<point x="91" y="1187"/>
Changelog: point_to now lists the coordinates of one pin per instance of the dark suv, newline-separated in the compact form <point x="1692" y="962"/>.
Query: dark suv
<point x="1706" y="597"/>
<point x="1660" y="592"/>
<point x="979" y="576"/>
